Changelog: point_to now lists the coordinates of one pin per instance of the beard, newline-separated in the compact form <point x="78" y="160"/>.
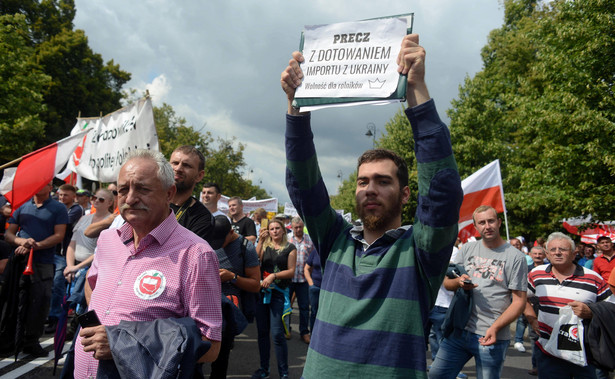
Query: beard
<point x="374" y="222"/>
<point x="184" y="186"/>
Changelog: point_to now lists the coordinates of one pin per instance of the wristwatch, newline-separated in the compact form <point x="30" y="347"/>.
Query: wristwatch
<point x="234" y="280"/>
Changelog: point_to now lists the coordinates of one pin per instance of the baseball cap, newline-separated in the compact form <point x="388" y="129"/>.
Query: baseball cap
<point x="222" y="226"/>
<point x="84" y="192"/>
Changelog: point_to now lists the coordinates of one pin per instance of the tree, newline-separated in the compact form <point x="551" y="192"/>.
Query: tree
<point x="345" y="198"/>
<point x="80" y="81"/>
<point x="544" y="105"/>
<point x="224" y="164"/>
<point x="21" y="89"/>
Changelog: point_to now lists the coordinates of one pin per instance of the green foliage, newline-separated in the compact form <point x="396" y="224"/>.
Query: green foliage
<point x="22" y="82"/>
<point x="81" y="83"/>
<point x="224" y="164"/>
<point x="544" y="105"/>
<point x="345" y="198"/>
<point x="80" y="80"/>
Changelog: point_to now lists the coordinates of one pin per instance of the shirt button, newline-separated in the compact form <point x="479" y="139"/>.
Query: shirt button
<point x="119" y="283"/>
<point x="107" y="312"/>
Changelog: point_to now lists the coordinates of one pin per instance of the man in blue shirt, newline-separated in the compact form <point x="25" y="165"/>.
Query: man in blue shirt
<point x="39" y="224"/>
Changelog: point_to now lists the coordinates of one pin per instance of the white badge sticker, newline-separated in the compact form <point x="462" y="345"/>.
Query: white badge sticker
<point x="150" y="284"/>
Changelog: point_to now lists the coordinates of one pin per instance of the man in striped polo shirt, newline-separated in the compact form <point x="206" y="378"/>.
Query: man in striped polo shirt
<point x="557" y="284"/>
<point x="381" y="279"/>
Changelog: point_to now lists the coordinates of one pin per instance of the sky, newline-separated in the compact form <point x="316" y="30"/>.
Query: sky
<point x="218" y="64"/>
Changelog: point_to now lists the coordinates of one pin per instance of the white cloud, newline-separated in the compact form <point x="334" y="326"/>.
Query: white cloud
<point x="218" y="64"/>
<point x="159" y="89"/>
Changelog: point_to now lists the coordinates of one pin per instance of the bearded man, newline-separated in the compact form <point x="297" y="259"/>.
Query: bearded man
<point x="188" y="169"/>
<point x="381" y="279"/>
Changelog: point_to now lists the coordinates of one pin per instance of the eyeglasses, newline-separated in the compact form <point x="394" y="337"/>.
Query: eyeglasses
<point x="561" y="249"/>
<point x="101" y="199"/>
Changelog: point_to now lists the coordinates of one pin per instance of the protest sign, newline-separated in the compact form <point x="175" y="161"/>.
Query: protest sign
<point x="352" y="62"/>
<point x="104" y="149"/>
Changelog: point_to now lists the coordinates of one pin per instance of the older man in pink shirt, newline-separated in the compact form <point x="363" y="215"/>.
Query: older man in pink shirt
<point x="150" y="268"/>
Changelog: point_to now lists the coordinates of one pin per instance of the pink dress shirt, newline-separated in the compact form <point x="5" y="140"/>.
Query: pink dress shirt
<point x="173" y="273"/>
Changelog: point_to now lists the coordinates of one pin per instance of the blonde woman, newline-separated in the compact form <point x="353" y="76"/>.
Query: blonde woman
<point x="80" y="252"/>
<point x="278" y="260"/>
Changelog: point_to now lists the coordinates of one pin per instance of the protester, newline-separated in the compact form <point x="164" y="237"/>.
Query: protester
<point x="278" y="259"/>
<point x="80" y="253"/>
<point x="259" y="215"/>
<point x="189" y="168"/>
<point x="437" y="316"/>
<point x="83" y="198"/>
<point x="555" y="285"/>
<point x="313" y="275"/>
<point x="604" y="263"/>
<point x="580" y="252"/>
<point x="66" y="195"/>
<point x="239" y="271"/>
<point x="497" y="276"/>
<point x="538" y="256"/>
<point x="590" y="255"/>
<point x="38" y="224"/>
<point x="150" y="268"/>
<point x="299" y="285"/>
<point x="5" y="248"/>
<point x="239" y="221"/>
<point x="210" y="196"/>
<point x="382" y="271"/>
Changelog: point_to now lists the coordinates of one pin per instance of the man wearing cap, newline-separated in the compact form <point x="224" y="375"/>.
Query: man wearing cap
<point x="83" y="199"/>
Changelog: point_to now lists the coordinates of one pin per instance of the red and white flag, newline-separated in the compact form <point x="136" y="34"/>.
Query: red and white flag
<point x="484" y="187"/>
<point x="37" y="169"/>
<point x="588" y="229"/>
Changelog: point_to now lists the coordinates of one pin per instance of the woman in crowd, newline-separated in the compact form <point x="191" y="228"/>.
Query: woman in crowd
<point x="278" y="260"/>
<point x="80" y="252"/>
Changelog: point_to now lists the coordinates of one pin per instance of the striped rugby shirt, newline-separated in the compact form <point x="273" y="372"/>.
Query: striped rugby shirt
<point x="584" y="285"/>
<point x="374" y="303"/>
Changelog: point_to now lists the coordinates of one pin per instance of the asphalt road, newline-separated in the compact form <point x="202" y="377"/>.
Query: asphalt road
<point x="244" y="359"/>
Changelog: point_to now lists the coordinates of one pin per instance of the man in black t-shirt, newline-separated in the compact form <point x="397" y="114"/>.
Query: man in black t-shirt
<point x="240" y="223"/>
<point x="189" y="168"/>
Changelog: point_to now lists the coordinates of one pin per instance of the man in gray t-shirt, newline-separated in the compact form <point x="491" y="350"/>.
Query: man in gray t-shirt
<point x="497" y="275"/>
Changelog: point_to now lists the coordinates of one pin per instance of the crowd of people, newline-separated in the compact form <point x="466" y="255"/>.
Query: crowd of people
<point x="161" y="268"/>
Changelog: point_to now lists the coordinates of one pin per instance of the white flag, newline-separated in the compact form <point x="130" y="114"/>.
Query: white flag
<point x="102" y="152"/>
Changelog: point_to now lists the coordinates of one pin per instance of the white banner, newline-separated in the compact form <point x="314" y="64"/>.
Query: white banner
<point x="104" y="149"/>
<point x="270" y="205"/>
<point x="289" y="209"/>
<point x="352" y="59"/>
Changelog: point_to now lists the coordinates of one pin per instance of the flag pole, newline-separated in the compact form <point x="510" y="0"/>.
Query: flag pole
<point x="11" y="163"/>
<point x="506" y="224"/>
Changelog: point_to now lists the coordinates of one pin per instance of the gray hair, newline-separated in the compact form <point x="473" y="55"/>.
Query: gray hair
<point x="538" y="247"/>
<point x="560" y="236"/>
<point x="296" y="220"/>
<point x="165" y="170"/>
